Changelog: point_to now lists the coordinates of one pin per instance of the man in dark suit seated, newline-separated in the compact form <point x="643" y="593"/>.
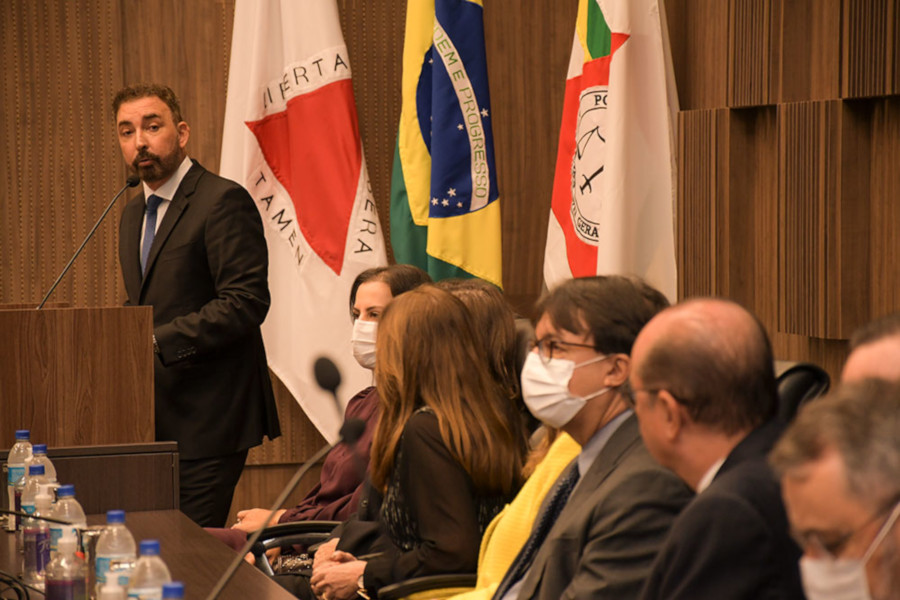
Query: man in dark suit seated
<point x="192" y="247"/>
<point x="705" y="396"/>
<point x="602" y="523"/>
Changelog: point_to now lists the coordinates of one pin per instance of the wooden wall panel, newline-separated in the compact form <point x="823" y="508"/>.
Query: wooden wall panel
<point x="868" y="42"/>
<point x="755" y="48"/>
<point x="823" y="215"/>
<point x="698" y="32"/>
<point x="190" y="54"/>
<point x="699" y="147"/>
<point x="811" y="50"/>
<point x="884" y="225"/>
<point x="748" y="270"/>
<point x="528" y="52"/>
<point x="58" y="164"/>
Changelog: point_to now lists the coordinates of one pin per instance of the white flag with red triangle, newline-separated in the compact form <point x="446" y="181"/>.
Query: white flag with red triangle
<point x="614" y="185"/>
<point x="291" y="138"/>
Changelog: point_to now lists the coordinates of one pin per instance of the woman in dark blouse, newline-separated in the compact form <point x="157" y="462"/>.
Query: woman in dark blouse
<point x="338" y="492"/>
<point x="446" y="455"/>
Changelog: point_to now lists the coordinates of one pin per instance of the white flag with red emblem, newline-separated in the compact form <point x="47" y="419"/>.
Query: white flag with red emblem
<point x="614" y="186"/>
<point x="291" y="138"/>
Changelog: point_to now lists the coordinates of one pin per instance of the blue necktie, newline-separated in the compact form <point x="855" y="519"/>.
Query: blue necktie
<point x="544" y="523"/>
<point x="153" y="203"/>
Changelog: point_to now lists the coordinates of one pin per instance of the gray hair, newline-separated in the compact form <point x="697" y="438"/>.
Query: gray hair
<point x="861" y="421"/>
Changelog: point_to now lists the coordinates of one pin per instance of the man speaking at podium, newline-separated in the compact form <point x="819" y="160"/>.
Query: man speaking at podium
<point x="192" y="247"/>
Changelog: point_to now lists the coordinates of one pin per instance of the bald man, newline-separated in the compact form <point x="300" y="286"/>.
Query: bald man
<point x="875" y="351"/>
<point x="705" y="398"/>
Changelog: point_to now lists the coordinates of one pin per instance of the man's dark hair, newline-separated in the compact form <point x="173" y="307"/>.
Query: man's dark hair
<point x="612" y="309"/>
<point x="147" y="90"/>
<point x="723" y="376"/>
<point x="880" y="328"/>
<point x="399" y="278"/>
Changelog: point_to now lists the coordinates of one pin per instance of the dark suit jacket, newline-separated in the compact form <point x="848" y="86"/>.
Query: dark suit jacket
<point x="732" y="541"/>
<point x="206" y="280"/>
<point x="605" y="539"/>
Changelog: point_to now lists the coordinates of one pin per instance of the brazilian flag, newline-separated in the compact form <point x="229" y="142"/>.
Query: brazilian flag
<point x="445" y="213"/>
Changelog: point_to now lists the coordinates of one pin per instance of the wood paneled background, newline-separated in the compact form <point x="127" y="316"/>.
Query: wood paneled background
<point x="789" y="144"/>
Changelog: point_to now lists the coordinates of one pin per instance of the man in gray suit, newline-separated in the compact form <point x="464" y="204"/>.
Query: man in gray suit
<point x="601" y="525"/>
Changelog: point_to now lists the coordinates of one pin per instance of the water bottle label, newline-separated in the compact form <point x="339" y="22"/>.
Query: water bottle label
<point x="149" y="593"/>
<point x="14" y="474"/>
<point x="56" y="532"/>
<point x="37" y="549"/>
<point x="29" y="508"/>
<point x="103" y="565"/>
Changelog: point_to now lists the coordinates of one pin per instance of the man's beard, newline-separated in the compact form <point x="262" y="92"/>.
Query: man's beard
<point x="160" y="168"/>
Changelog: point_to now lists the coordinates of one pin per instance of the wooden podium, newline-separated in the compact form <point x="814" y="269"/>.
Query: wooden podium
<point x="76" y="376"/>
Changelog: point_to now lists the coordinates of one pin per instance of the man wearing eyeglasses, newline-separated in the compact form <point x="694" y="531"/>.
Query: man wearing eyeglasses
<point x="839" y="464"/>
<point x="705" y="397"/>
<point x="602" y="523"/>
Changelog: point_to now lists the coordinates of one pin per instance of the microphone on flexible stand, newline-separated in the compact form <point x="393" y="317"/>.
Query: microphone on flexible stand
<point x="132" y="181"/>
<point x="328" y="377"/>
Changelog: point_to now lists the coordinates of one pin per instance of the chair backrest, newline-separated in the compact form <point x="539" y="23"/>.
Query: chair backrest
<point x="799" y="384"/>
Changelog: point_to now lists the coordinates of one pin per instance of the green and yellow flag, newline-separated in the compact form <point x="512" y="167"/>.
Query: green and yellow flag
<point x="445" y="209"/>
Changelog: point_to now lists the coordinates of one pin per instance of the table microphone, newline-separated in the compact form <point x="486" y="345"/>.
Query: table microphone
<point x="132" y="181"/>
<point x="328" y="377"/>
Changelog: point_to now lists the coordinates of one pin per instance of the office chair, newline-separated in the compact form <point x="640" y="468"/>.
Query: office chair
<point x="797" y="385"/>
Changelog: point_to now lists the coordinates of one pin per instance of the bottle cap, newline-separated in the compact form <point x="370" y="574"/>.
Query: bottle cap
<point x="35" y="470"/>
<point x="23" y="434"/>
<point x="149" y="548"/>
<point x="115" y="516"/>
<point x="65" y="490"/>
<point x="39" y="448"/>
<point x="174" y="589"/>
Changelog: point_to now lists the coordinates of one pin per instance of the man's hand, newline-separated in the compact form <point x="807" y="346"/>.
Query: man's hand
<point x="253" y="518"/>
<point x="338" y="580"/>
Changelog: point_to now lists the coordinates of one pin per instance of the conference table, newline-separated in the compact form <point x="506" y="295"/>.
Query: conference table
<point x="192" y="555"/>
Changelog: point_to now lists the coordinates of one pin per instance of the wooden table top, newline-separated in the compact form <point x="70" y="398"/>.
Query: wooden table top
<point x="192" y="555"/>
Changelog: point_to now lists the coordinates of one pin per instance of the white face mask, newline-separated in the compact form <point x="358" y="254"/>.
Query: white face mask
<point x="363" y="342"/>
<point x="841" y="579"/>
<point x="545" y="388"/>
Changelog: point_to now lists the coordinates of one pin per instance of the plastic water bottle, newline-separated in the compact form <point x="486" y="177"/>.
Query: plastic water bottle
<point x="69" y="510"/>
<point x="174" y="591"/>
<point x="19" y="454"/>
<point x="39" y="457"/>
<point x="115" y="543"/>
<point x="26" y="491"/>
<point x="67" y="573"/>
<point x="33" y="483"/>
<point x="36" y="539"/>
<point x="150" y="573"/>
<point x="111" y="591"/>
